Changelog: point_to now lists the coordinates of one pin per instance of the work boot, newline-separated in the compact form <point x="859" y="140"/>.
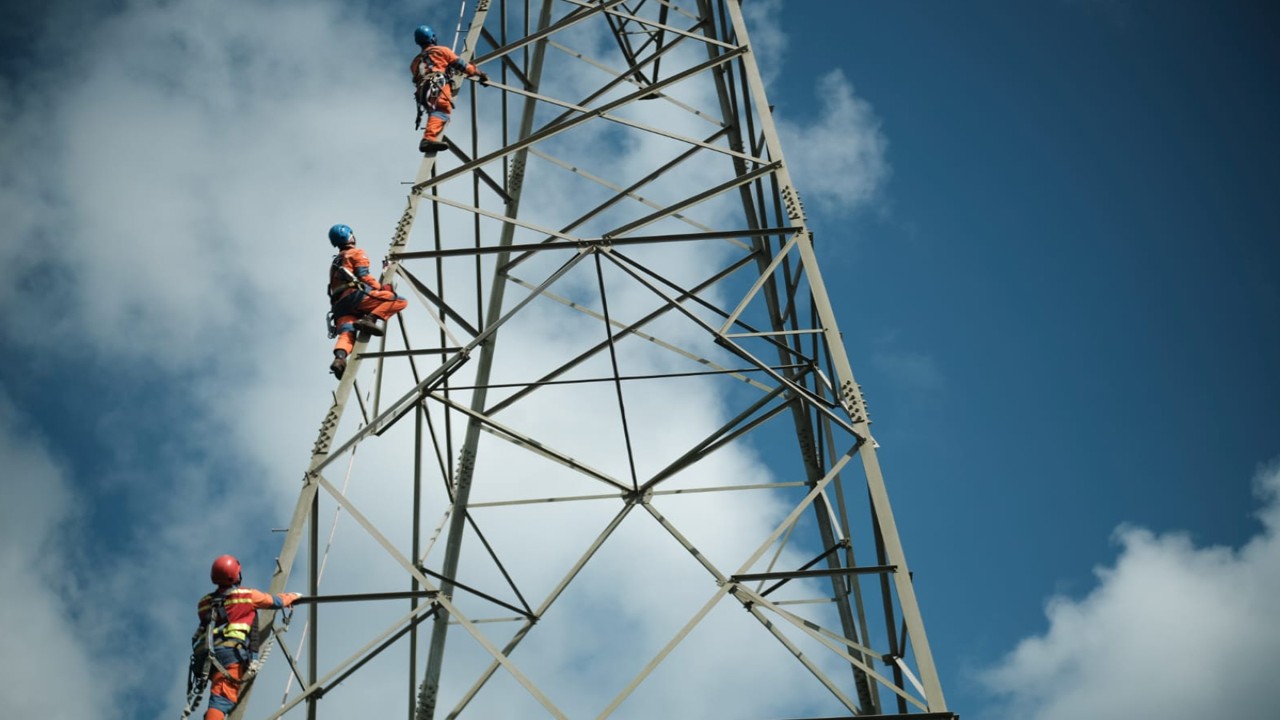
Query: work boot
<point x="368" y="324"/>
<point x="339" y="364"/>
<point x="432" y="146"/>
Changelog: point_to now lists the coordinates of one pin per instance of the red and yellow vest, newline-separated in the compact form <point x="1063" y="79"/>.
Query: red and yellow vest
<point x="234" y="624"/>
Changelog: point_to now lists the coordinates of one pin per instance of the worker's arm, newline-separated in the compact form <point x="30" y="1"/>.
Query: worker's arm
<point x="263" y="600"/>
<point x="360" y="268"/>
<point x="466" y="68"/>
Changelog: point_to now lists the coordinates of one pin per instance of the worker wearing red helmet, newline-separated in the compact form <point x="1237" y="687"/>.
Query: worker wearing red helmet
<point x="431" y="69"/>
<point x="230" y="612"/>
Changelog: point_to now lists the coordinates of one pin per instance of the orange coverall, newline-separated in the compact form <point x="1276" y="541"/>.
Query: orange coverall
<point x="437" y="59"/>
<point x="354" y="291"/>
<point x="231" y="640"/>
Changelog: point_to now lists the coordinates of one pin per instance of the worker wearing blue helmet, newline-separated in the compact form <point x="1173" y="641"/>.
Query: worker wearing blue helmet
<point x="431" y="69"/>
<point x="358" y="299"/>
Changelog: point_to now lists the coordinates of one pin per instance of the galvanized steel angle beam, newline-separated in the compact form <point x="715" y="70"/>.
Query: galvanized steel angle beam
<point x="431" y="299"/>
<point x="670" y="303"/>
<point x="725" y="587"/>
<point x="586" y="114"/>
<point x="488" y="424"/>
<point x="443" y="600"/>
<point x="317" y="687"/>
<point x="623" y="76"/>
<point x="817" y="402"/>
<point x="632" y="328"/>
<point x="827" y="638"/>
<point x="784" y="310"/>
<point x="555" y="593"/>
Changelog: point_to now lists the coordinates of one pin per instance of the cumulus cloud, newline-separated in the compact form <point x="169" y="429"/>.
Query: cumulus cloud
<point x="175" y="170"/>
<point x="1173" y="630"/>
<point x="47" y="646"/>
<point x="769" y="40"/>
<point x="839" y="158"/>
<point x="176" y="193"/>
<point x="168" y="179"/>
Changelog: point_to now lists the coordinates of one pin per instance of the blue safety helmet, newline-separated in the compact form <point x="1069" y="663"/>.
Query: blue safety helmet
<point x="424" y="36"/>
<point x="340" y="235"/>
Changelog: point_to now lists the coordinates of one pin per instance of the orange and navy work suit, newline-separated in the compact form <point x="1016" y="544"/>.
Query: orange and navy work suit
<point x="354" y="291"/>
<point x="232" y="629"/>
<point x="434" y="63"/>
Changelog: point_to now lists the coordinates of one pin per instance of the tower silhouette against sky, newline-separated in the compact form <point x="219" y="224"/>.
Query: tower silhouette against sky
<point x="612" y="461"/>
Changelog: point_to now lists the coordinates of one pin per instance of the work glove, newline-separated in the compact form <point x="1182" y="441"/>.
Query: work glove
<point x="286" y="599"/>
<point x="484" y="77"/>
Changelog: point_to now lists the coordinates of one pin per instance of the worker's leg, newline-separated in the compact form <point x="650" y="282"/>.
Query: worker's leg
<point x="224" y="692"/>
<point x="346" y="325"/>
<point x="378" y="305"/>
<point x="432" y="137"/>
<point x="382" y="304"/>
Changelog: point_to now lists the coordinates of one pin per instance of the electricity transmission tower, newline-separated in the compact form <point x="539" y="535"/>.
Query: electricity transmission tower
<point x="612" y="461"/>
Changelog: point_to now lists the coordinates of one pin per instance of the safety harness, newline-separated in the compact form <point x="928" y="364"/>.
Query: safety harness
<point x="336" y="290"/>
<point x="428" y="88"/>
<point x="203" y="657"/>
<point x="202" y="654"/>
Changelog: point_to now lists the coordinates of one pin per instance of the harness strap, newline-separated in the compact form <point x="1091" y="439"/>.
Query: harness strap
<point x="204" y="645"/>
<point x="427" y="93"/>
<point x="197" y="671"/>
<point x="352" y="281"/>
<point x="428" y="86"/>
<point x="196" y="685"/>
<point x="335" y="293"/>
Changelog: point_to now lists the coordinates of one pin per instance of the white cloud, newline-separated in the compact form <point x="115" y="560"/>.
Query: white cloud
<point x="838" y="160"/>
<point x="167" y="199"/>
<point x="178" y="192"/>
<point x="1172" y="631"/>
<point x="768" y="40"/>
<point x="194" y="162"/>
<point x="45" y="645"/>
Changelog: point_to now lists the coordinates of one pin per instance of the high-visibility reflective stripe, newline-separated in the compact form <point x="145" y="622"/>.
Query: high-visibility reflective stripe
<point x="236" y="609"/>
<point x="230" y="594"/>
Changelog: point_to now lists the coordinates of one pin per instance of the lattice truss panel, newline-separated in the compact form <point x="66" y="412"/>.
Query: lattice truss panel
<point x="611" y="461"/>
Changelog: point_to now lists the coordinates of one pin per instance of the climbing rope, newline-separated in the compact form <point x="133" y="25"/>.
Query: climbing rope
<point x="197" y="681"/>
<point x="256" y="664"/>
<point x="202" y="655"/>
<point x="205" y="659"/>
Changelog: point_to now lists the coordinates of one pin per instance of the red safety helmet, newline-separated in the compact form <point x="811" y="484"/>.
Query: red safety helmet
<point x="225" y="571"/>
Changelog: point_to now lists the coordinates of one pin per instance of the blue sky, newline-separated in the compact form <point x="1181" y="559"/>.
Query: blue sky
<point x="1079" y="244"/>
<point x="1055" y="256"/>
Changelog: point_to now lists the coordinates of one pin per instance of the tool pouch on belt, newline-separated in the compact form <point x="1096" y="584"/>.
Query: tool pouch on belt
<point x="333" y="328"/>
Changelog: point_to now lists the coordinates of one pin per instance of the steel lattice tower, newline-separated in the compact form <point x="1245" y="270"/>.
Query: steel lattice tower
<point x="615" y="436"/>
